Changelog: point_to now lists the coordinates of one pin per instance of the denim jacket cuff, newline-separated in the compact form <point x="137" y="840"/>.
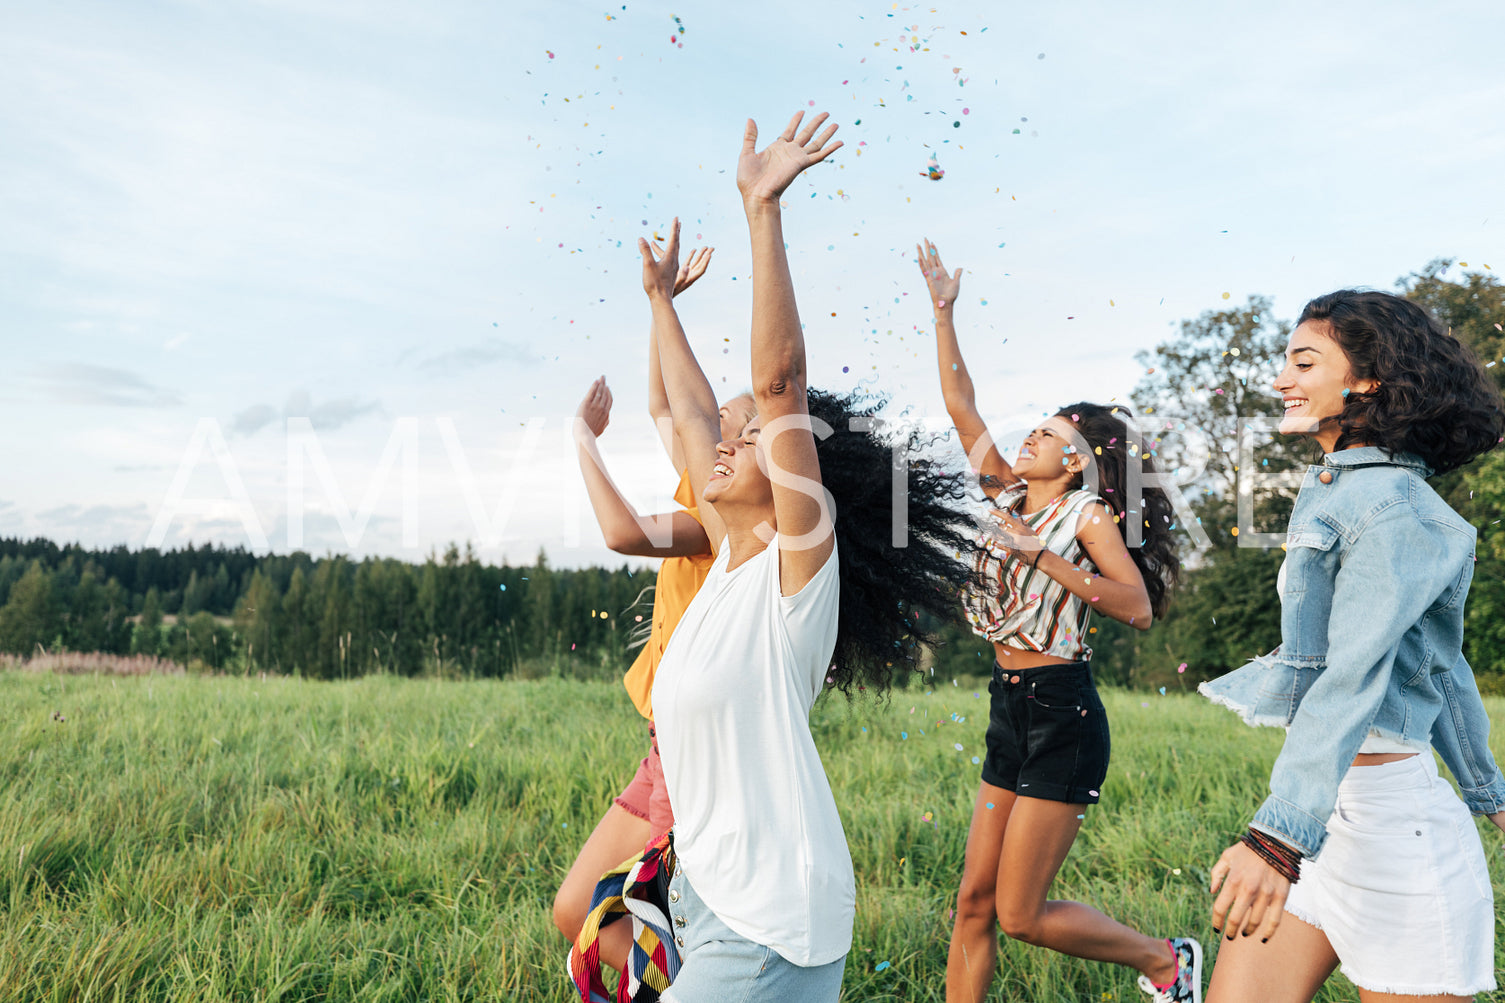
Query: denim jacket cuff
<point x="1485" y="800"/>
<point x="1291" y="824"/>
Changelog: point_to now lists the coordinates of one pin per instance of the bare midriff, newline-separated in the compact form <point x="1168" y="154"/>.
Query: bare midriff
<point x="1010" y="657"/>
<point x="1380" y="758"/>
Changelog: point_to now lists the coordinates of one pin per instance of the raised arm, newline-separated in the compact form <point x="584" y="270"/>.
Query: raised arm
<point x="778" y="349"/>
<point x="658" y="399"/>
<point x="667" y="534"/>
<point x="692" y="403"/>
<point x="956" y="382"/>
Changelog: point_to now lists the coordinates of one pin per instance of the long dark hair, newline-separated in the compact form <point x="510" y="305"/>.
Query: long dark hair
<point x="1112" y="448"/>
<point x="887" y="590"/>
<point x="1433" y="400"/>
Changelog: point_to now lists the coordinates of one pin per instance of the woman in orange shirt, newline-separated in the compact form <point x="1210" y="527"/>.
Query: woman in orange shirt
<point x="641" y="812"/>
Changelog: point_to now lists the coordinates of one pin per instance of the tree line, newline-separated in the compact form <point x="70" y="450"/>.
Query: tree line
<point x="227" y="609"/>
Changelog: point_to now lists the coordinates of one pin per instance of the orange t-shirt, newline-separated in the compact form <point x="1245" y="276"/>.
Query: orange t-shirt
<point x="679" y="578"/>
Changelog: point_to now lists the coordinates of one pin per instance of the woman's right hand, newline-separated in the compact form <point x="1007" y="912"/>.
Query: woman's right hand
<point x="661" y="265"/>
<point x="943" y="288"/>
<point x="762" y="175"/>
<point x="595" y="409"/>
<point x="1253" y="894"/>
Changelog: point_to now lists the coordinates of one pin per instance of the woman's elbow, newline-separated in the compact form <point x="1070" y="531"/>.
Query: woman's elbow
<point x="772" y="393"/>
<point x="623" y="539"/>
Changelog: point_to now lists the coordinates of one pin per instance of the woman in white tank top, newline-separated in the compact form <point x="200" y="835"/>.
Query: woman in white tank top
<point x="808" y="591"/>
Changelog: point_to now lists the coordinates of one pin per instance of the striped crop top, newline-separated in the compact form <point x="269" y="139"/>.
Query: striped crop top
<point x="1023" y="607"/>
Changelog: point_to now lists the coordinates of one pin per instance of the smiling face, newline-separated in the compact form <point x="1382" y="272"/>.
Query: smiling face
<point x="1047" y="452"/>
<point x="738" y="480"/>
<point x="1314" y="383"/>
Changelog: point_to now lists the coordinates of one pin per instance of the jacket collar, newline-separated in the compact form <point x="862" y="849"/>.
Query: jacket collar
<point x="1369" y="456"/>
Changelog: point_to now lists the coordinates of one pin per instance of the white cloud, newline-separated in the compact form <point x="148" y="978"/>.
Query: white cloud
<point x="85" y="383"/>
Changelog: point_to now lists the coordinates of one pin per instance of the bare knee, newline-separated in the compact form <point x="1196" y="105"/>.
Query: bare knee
<point x="974" y="901"/>
<point x="569" y="912"/>
<point x="1020" y="920"/>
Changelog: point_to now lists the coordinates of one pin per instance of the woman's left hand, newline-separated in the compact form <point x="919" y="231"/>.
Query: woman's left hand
<point x="1253" y="894"/>
<point x="693" y="268"/>
<point x="1014" y="535"/>
<point x="1498" y="818"/>
<point x="762" y="175"/>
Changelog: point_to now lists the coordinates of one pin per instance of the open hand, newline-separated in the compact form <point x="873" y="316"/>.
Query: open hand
<point x="763" y="175"/>
<point x="943" y="288"/>
<point x="1013" y="534"/>
<point x="595" y="409"/>
<point x="693" y="268"/>
<point x="661" y="271"/>
<point x="1253" y="894"/>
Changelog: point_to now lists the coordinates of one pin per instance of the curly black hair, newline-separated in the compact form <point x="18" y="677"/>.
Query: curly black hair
<point x="1434" y="399"/>
<point x="887" y="589"/>
<point x="1113" y="446"/>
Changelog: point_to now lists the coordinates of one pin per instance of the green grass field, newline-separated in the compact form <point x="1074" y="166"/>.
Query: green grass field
<point x="201" y="838"/>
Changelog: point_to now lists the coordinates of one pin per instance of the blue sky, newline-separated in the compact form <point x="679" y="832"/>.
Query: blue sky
<point x="413" y="224"/>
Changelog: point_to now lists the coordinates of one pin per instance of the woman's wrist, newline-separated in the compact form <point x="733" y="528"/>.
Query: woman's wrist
<point x="1286" y="860"/>
<point x="758" y="205"/>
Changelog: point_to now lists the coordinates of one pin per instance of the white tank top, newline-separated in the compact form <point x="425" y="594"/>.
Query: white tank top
<point x="755" y="824"/>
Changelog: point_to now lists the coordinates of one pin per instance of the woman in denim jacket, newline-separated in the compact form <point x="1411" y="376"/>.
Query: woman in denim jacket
<point x="1369" y="677"/>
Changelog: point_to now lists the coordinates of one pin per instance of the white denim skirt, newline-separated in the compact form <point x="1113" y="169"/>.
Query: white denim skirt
<point x="1401" y="888"/>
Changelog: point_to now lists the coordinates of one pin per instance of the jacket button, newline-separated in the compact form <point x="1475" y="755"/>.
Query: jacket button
<point x="679" y="921"/>
<point x="680" y="941"/>
<point x="673" y="894"/>
<point x="1325" y="477"/>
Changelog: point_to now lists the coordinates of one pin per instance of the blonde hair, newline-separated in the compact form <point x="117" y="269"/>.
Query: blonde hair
<point x="744" y="405"/>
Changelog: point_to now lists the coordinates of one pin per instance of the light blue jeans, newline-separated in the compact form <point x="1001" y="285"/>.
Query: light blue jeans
<point x="723" y="967"/>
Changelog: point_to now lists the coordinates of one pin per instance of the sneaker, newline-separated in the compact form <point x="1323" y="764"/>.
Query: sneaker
<point x="1187" y="985"/>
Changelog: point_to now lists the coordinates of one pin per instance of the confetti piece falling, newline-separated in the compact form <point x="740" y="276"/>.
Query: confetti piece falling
<point x="880" y="966"/>
<point x="933" y="169"/>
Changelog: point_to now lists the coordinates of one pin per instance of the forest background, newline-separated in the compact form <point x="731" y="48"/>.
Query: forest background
<point x="217" y="609"/>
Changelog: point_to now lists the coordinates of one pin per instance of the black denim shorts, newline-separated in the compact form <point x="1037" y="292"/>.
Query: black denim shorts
<point x="1047" y="734"/>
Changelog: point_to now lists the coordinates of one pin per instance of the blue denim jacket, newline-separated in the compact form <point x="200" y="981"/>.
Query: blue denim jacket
<point x="1377" y="569"/>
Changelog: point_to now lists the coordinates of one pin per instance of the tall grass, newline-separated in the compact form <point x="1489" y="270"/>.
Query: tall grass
<point x="188" y="838"/>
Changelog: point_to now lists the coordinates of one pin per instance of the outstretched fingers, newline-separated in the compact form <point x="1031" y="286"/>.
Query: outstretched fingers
<point x="815" y="148"/>
<point x="693" y="268"/>
<point x="824" y="151"/>
<point x="790" y="129"/>
<point x="809" y="129"/>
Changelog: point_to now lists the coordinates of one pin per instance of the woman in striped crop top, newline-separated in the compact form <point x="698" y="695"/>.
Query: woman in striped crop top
<point x="1057" y="547"/>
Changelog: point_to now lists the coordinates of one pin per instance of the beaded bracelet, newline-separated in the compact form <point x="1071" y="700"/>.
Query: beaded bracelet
<point x="1285" y="860"/>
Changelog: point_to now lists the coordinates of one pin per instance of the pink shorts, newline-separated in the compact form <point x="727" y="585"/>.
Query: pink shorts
<point x="646" y="796"/>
